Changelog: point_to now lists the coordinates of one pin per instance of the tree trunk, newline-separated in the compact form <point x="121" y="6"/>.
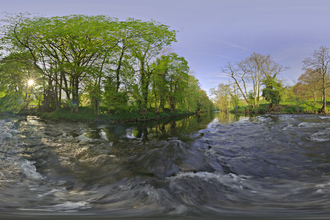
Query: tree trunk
<point x="58" y="87"/>
<point x="66" y="87"/>
<point x="162" y="95"/>
<point x="75" y="97"/>
<point x="118" y="69"/>
<point x="255" y="103"/>
<point x="96" y="106"/>
<point x="56" y="97"/>
<point x="60" y="94"/>
<point x="156" y="109"/>
<point x="145" y="86"/>
<point x="324" y="107"/>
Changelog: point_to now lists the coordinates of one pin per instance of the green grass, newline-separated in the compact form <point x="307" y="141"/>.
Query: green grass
<point x="290" y="107"/>
<point x="261" y="108"/>
<point x="87" y="113"/>
<point x="306" y="106"/>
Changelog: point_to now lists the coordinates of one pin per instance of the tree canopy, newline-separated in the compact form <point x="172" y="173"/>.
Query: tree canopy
<point x="117" y="64"/>
<point x="251" y="76"/>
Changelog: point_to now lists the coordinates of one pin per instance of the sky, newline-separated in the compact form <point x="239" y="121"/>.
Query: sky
<point x="212" y="33"/>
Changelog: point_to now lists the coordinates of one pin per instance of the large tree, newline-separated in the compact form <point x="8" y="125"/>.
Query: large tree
<point x="171" y="80"/>
<point x="65" y="49"/>
<point x="319" y="62"/>
<point x="222" y="96"/>
<point x="16" y="70"/>
<point x="252" y="68"/>
<point x="253" y="72"/>
<point x="309" y="85"/>
<point x="145" y="48"/>
<point x="240" y="79"/>
<point x="115" y="62"/>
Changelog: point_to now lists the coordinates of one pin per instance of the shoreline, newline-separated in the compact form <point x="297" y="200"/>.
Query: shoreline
<point x="277" y="113"/>
<point x="42" y="116"/>
<point x="4" y="115"/>
<point x="113" y="121"/>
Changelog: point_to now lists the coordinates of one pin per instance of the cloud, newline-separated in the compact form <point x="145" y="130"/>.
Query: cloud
<point x="233" y="45"/>
<point x="218" y="77"/>
<point x="217" y="74"/>
<point x="214" y="81"/>
<point x="212" y="54"/>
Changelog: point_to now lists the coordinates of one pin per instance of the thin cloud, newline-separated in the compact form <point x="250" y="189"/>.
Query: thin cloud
<point x="217" y="74"/>
<point x="233" y="45"/>
<point x="213" y="55"/>
<point x="214" y="81"/>
<point x="218" y="77"/>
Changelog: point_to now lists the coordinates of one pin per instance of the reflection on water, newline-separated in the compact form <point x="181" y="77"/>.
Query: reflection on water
<point x="173" y="128"/>
<point x="209" y="164"/>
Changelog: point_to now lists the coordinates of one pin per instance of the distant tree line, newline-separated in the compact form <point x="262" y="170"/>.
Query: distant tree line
<point x="250" y="79"/>
<point x="257" y="76"/>
<point x="94" y="60"/>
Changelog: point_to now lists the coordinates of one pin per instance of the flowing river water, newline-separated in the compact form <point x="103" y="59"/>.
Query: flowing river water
<point x="213" y="164"/>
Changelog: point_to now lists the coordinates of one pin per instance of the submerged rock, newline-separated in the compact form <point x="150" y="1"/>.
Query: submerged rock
<point x="168" y="158"/>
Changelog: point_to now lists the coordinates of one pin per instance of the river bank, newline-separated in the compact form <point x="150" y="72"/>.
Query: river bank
<point x="87" y="114"/>
<point x="284" y="108"/>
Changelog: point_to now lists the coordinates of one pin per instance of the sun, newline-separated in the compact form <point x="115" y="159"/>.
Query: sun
<point x="30" y="82"/>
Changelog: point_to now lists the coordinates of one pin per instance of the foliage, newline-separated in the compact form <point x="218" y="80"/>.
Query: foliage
<point x="288" y="94"/>
<point x="116" y="101"/>
<point x="222" y="97"/>
<point x="309" y="85"/>
<point x="96" y="60"/>
<point x="318" y="64"/>
<point x="272" y="91"/>
<point x="15" y="71"/>
<point x="251" y="73"/>
<point x="87" y="113"/>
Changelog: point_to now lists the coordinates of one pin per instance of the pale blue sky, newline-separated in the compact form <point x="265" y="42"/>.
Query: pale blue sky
<point x="213" y="32"/>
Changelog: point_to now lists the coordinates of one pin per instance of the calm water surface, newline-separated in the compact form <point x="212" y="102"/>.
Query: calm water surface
<point x="208" y="165"/>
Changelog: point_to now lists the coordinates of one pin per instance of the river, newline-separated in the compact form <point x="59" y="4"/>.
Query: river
<point x="206" y="165"/>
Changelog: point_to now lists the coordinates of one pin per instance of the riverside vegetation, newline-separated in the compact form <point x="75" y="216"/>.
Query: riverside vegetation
<point x="254" y="86"/>
<point x="209" y="164"/>
<point x="95" y="67"/>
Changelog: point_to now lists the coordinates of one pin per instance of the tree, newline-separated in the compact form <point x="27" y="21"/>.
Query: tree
<point x="191" y="94"/>
<point x="16" y="69"/>
<point x="67" y="48"/>
<point x="240" y="79"/>
<point x="222" y="95"/>
<point x="160" y="84"/>
<point x="120" y="78"/>
<point x="177" y="80"/>
<point x="203" y="102"/>
<point x="116" y="63"/>
<point x="288" y="94"/>
<point x="272" y="91"/>
<point x="252" y="68"/>
<point x="319" y="63"/>
<point x="309" y="85"/>
<point x="254" y="71"/>
<point x="153" y="37"/>
<point x="234" y="95"/>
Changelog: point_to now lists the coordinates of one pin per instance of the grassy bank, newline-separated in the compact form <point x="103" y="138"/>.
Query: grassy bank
<point x="87" y="113"/>
<point x="310" y="107"/>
